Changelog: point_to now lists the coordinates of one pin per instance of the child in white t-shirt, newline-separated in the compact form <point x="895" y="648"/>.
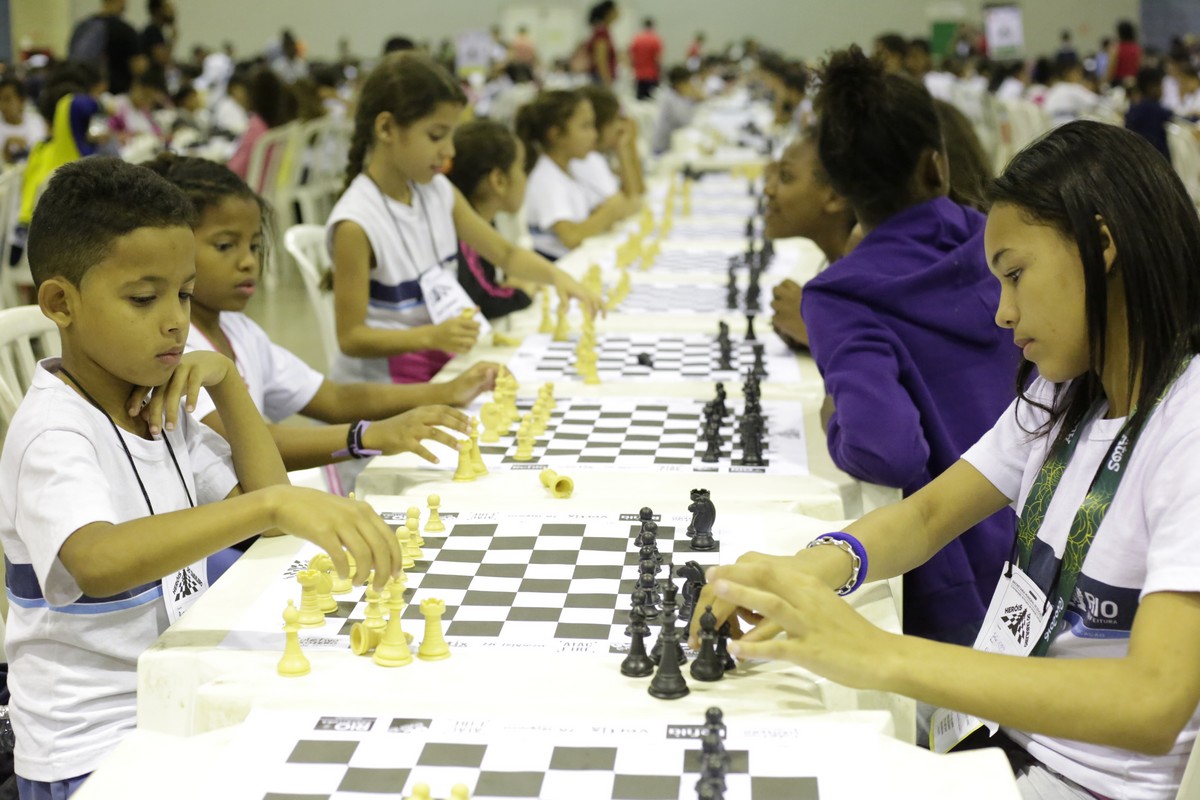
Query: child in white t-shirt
<point x="616" y="142"/>
<point x="395" y="231"/>
<point x="559" y="127"/>
<point x="1090" y="649"/>
<point x="21" y="127"/>
<point x="106" y="510"/>
<point x="378" y="417"/>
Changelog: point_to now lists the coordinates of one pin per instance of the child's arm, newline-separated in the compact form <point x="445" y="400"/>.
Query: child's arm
<point x="351" y="289"/>
<point x="306" y="446"/>
<point x="105" y="559"/>
<point x="629" y="163"/>
<point x="601" y="220"/>
<point x="349" y="402"/>
<point x="1139" y="702"/>
<point x="515" y="261"/>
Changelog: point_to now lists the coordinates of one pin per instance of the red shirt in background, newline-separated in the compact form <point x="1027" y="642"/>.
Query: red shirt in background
<point x="600" y="34"/>
<point x="1128" y="61"/>
<point x="645" y="54"/>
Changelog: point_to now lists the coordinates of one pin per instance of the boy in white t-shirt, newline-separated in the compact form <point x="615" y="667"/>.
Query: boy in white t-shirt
<point x="557" y="128"/>
<point x="20" y="126"/>
<point x="1086" y="664"/>
<point x="107" y="511"/>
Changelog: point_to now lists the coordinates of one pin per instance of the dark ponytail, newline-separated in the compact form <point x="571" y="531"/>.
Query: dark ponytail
<point x="535" y="120"/>
<point x="480" y="147"/>
<point x="408" y="85"/>
<point x="872" y="129"/>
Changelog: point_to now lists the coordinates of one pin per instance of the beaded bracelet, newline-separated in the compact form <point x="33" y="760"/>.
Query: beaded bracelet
<point x="858" y="558"/>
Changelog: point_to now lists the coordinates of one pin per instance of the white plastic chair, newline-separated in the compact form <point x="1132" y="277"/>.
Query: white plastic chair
<point x="274" y="162"/>
<point x="1185" y="157"/>
<point x="16" y="278"/>
<point x="306" y="244"/>
<point x="26" y="336"/>
<point x="1189" y="787"/>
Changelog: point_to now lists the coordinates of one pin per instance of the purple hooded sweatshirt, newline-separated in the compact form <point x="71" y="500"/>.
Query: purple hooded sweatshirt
<point x="903" y="332"/>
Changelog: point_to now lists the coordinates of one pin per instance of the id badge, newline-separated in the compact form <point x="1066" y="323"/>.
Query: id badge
<point x="446" y="298"/>
<point x="1015" y="620"/>
<point x="183" y="588"/>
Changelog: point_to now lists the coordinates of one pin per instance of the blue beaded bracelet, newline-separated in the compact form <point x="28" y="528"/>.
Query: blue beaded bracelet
<point x="858" y="555"/>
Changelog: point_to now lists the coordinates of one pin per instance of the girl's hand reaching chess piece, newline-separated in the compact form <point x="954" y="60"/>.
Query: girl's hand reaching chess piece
<point x="404" y="433"/>
<point x="478" y="378"/>
<point x="455" y="335"/>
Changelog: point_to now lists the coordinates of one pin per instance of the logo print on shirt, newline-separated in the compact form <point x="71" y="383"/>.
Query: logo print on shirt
<point x="1018" y="623"/>
<point x="186" y="583"/>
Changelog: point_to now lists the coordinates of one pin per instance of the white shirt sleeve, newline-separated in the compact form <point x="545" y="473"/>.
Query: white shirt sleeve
<point x="62" y="487"/>
<point x="211" y="460"/>
<point x="1172" y="507"/>
<point x="1002" y="454"/>
<point x="552" y="197"/>
<point x="289" y="384"/>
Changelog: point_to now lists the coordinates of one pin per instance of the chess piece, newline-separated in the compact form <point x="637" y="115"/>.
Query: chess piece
<point x="693" y="582"/>
<point x="637" y="600"/>
<point x="704" y="514"/>
<point x="435" y="524"/>
<point x="750" y="337"/>
<point x="649" y="531"/>
<point x="649" y="552"/>
<point x="311" y="615"/>
<point x="476" y="457"/>
<point x="668" y="683"/>
<point x="560" y="485"/>
<point x="708" y="665"/>
<point x="668" y="634"/>
<point x="421" y="792"/>
<point x="374" y="611"/>
<point x="413" y="533"/>
<point x="714" y="721"/>
<point x="459" y="791"/>
<point x="465" y="470"/>
<point x="562" y="330"/>
<point x="293" y="663"/>
<point x="637" y="664"/>
<point x="324" y="564"/>
<point x="712" y="448"/>
<point x="504" y="340"/>
<point x="649" y="587"/>
<point x="433" y="645"/>
<point x="525" y="442"/>
<point x="392" y="650"/>
<point x="719" y="403"/>
<point x="723" y="634"/>
<point x="492" y="418"/>
<point x="547" y="324"/>
<point x="414" y="537"/>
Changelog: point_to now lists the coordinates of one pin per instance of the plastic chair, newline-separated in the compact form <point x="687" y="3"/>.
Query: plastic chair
<point x="306" y="244"/>
<point x="270" y="173"/>
<point x="16" y="278"/>
<point x="1185" y="157"/>
<point x="1189" y="787"/>
<point x="26" y="336"/>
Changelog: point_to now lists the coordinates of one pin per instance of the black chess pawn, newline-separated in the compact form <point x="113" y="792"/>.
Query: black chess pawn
<point x="714" y="721"/>
<point x="722" y="331"/>
<point x="750" y="337"/>
<point x="647" y="527"/>
<point x="637" y="664"/>
<point x="712" y="774"/>
<point x="650" y="539"/>
<point x="707" y="666"/>
<point x="708" y="791"/>
<point x="712" y="448"/>
<point x="649" y="552"/>
<point x="719" y="402"/>
<point x="723" y="634"/>
<point x="646" y="515"/>
<point x="750" y="228"/>
<point x="649" y="586"/>
<point x="668" y="683"/>
<point x="637" y="599"/>
<point x="759" y="370"/>
<point x="645" y="360"/>
<point x="725" y="358"/>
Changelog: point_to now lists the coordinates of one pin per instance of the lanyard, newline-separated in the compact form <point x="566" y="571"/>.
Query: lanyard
<point x="1087" y="519"/>
<point x="420" y="205"/>
<point x="125" y="447"/>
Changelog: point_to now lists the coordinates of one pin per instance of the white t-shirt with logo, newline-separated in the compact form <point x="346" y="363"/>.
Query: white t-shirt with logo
<point x="1147" y="543"/>
<point x="398" y="234"/>
<point x="553" y="196"/>
<point x="280" y="384"/>
<point x="73" y="659"/>
<point x="596" y="177"/>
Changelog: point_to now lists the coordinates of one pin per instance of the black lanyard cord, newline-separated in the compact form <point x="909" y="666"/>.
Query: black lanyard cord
<point x="125" y="447"/>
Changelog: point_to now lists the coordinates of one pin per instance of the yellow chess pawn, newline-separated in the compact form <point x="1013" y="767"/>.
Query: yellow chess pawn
<point x="414" y="533"/>
<point x="562" y="330"/>
<point x="491" y="415"/>
<point x="476" y="457"/>
<point x="547" y="323"/>
<point x="293" y="663"/>
<point x="525" y="442"/>
<point x="435" y="524"/>
<point x="392" y="650"/>
<point x="559" y="485"/>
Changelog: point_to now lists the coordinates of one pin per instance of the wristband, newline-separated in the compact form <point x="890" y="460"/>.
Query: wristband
<point x="354" y="442"/>
<point x="858" y="557"/>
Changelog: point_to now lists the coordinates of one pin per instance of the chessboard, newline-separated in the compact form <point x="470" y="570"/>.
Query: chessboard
<point x="554" y="582"/>
<point x="712" y="227"/>
<point x="672" y="357"/>
<point x="651" y="435"/>
<point x="709" y="263"/>
<point x="299" y="755"/>
<point x="648" y="298"/>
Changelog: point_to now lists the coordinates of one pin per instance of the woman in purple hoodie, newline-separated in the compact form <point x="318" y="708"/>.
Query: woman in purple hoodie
<point x="902" y="328"/>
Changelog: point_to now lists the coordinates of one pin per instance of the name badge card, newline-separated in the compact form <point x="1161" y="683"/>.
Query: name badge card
<point x="446" y="298"/>
<point x="1015" y="620"/>
<point x="183" y="588"/>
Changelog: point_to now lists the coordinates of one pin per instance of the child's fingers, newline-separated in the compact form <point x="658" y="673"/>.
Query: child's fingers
<point x="137" y="400"/>
<point x="423" y="452"/>
<point x="440" y="436"/>
<point x="152" y="412"/>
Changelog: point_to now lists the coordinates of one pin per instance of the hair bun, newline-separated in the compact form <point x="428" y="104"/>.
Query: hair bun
<point x="854" y="79"/>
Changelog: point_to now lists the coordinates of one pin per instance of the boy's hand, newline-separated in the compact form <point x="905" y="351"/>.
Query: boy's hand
<point x="404" y="433"/>
<point x="455" y="335"/>
<point x="568" y="287"/>
<point x="478" y="378"/>
<point x="196" y="370"/>
<point x="337" y="525"/>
